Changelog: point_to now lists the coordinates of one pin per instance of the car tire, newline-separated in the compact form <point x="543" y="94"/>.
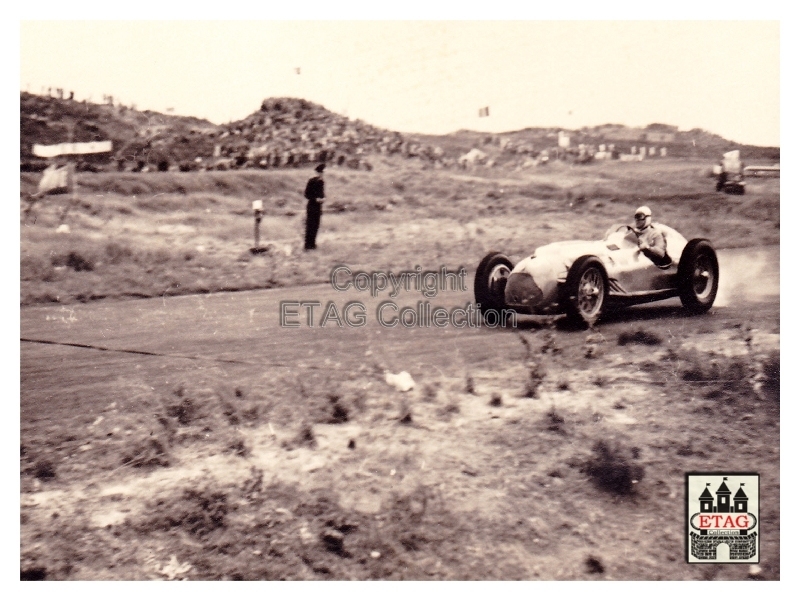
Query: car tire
<point x="584" y="293"/>
<point x="490" y="281"/>
<point x="698" y="276"/>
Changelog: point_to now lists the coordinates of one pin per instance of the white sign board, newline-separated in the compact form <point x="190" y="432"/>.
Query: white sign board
<point x="71" y="148"/>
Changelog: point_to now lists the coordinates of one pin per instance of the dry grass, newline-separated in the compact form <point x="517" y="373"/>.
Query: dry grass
<point x="509" y="472"/>
<point x="149" y="234"/>
<point x="266" y="516"/>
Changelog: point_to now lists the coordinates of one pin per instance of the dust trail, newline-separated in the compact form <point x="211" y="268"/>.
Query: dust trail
<point x="748" y="275"/>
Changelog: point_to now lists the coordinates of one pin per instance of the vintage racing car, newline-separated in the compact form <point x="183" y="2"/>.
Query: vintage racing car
<point x="584" y="279"/>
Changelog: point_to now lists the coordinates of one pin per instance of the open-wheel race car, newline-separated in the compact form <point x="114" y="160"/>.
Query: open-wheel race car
<point x="585" y="279"/>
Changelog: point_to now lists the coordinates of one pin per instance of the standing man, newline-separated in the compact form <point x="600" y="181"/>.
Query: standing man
<point x="315" y="192"/>
<point x="722" y="177"/>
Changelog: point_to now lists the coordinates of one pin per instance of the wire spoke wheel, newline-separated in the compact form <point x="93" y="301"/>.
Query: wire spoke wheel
<point x="590" y="292"/>
<point x="583" y="295"/>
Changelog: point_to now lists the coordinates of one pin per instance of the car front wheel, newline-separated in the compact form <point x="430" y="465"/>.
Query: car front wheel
<point x="490" y="281"/>
<point x="584" y="293"/>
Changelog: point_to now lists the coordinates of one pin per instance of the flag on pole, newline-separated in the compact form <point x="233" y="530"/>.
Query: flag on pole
<point x="483" y="112"/>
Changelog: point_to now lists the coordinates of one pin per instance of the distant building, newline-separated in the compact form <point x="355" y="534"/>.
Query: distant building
<point x="659" y="136"/>
<point x="639" y="134"/>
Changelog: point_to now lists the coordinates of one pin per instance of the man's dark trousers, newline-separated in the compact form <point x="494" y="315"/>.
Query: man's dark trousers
<point x="313" y="216"/>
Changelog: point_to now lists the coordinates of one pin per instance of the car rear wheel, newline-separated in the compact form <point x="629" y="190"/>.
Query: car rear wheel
<point x="490" y="281"/>
<point x="584" y="293"/>
<point x="698" y="276"/>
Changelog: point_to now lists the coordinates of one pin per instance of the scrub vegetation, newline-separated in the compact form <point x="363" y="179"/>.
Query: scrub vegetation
<point x="155" y="234"/>
<point x="535" y="453"/>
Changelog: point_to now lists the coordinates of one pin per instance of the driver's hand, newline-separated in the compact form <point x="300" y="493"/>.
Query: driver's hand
<point x="643" y="245"/>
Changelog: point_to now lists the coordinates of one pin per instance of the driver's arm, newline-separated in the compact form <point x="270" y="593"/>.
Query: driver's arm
<point x="653" y="244"/>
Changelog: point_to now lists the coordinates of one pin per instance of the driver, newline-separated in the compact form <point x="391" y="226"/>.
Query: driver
<point x="651" y="241"/>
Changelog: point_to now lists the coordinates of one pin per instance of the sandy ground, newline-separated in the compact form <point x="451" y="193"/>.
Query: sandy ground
<point x="194" y="438"/>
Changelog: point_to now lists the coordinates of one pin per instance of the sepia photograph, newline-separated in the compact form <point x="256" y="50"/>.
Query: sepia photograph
<point x="361" y="299"/>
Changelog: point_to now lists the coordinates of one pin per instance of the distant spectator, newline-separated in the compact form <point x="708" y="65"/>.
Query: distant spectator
<point x="722" y="178"/>
<point x="315" y="192"/>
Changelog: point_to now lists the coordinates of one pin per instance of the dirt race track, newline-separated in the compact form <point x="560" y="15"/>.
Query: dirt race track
<point x="193" y="437"/>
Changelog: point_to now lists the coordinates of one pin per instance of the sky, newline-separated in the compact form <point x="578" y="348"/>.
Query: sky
<point x="428" y="76"/>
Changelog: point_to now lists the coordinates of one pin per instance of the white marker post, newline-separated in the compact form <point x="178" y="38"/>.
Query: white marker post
<point x="258" y="212"/>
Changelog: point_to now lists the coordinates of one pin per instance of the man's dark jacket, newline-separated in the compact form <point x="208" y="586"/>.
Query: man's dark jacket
<point x="315" y="188"/>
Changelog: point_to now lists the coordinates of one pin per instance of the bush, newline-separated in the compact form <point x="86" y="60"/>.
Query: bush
<point x="771" y="383"/>
<point x="594" y="566"/>
<point x="405" y="417"/>
<point x="197" y="511"/>
<point x="305" y="438"/>
<point x="159" y="256"/>
<point x="711" y="369"/>
<point x="147" y="453"/>
<point x="470" y="385"/>
<point x="536" y="376"/>
<point x="33" y="268"/>
<point x="554" y="421"/>
<point x="429" y="393"/>
<point x="44" y="470"/>
<point x="339" y="412"/>
<point x="117" y="253"/>
<point x="611" y="470"/>
<point x="640" y="336"/>
<point x="78" y="262"/>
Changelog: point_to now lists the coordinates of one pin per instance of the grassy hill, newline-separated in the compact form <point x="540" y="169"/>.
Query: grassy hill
<point x="46" y="120"/>
<point x="291" y="132"/>
<point x="506" y="147"/>
<point x="285" y="131"/>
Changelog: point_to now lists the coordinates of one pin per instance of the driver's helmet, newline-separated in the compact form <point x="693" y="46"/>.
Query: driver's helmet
<point x="643" y="217"/>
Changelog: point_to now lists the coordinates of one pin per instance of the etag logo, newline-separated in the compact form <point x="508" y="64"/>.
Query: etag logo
<point x="722" y="517"/>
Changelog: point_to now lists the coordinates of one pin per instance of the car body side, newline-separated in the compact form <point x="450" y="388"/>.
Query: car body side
<point x="535" y="283"/>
